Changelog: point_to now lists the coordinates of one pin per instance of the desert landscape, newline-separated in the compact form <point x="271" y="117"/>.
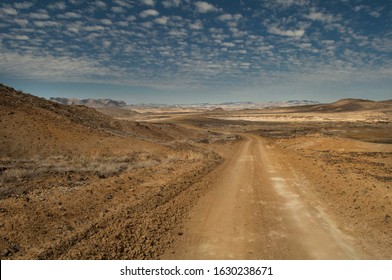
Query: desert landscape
<point x="129" y="182"/>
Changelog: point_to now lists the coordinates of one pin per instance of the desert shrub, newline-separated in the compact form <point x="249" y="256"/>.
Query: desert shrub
<point x="14" y="170"/>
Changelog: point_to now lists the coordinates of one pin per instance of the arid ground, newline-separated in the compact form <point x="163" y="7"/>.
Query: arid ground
<point x="311" y="182"/>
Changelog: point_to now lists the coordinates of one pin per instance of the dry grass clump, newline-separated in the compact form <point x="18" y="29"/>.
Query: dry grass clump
<point x="17" y="170"/>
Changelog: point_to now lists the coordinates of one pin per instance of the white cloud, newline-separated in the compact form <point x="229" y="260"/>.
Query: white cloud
<point x="318" y="16"/>
<point x="177" y="18"/>
<point x="100" y="4"/>
<point x="117" y="9"/>
<point x="228" y="44"/>
<point x="122" y="23"/>
<point x="288" y="33"/>
<point x="106" y="44"/>
<point x="74" y="29"/>
<point x="382" y="44"/>
<point x="375" y="14"/>
<point x="61" y="68"/>
<point x="197" y="25"/>
<point x="9" y="11"/>
<point x="106" y="21"/>
<point x="94" y="28"/>
<point x="76" y="2"/>
<point x="149" y="12"/>
<point x="70" y="15"/>
<point x="45" y="23"/>
<point x="148" y="2"/>
<point x="128" y="48"/>
<point x="339" y="27"/>
<point x="305" y="45"/>
<point x="236" y="32"/>
<point x="359" y="7"/>
<point x="161" y="20"/>
<point x="122" y="3"/>
<point x="225" y="17"/>
<point x="288" y="3"/>
<point x="266" y="48"/>
<point x="171" y="3"/>
<point x="177" y="33"/>
<point x="22" y="37"/>
<point x="40" y="15"/>
<point x="131" y="18"/>
<point x="23" y="5"/>
<point x="237" y="17"/>
<point x="147" y="24"/>
<point x="244" y="65"/>
<point x="204" y="7"/>
<point x="22" y="22"/>
<point x="368" y="10"/>
<point x="328" y="42"/>
<point x="57" y="6"/>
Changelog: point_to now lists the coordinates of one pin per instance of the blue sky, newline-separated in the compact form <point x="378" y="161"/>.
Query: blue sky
<point x="182" y="51"/>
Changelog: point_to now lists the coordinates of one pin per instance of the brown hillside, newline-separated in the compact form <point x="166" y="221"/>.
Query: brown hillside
<point x="32" y="126"/>
<point x="343" y="105"/>
<point x="351" y="105"/>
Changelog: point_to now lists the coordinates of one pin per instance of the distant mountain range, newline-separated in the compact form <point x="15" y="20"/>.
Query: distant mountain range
<point x="90" y="102"/>
<point x="96" y="103"/>
<point x="232" y="105"/>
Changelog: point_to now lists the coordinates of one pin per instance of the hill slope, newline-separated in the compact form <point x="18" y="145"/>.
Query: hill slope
<point x="32" y="126"/>
<point x="343" y="105"/>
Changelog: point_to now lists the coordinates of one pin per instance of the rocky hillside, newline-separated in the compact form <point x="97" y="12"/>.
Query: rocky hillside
<point x="31" y="126"/>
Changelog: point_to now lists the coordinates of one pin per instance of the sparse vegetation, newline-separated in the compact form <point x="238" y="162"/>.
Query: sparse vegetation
<point x="25" y="169"/>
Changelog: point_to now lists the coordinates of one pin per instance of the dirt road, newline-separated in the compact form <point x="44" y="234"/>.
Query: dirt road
<point x="260" y="208"/>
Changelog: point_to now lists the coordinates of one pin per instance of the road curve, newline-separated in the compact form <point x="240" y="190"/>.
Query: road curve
<point x="260" y="208"/>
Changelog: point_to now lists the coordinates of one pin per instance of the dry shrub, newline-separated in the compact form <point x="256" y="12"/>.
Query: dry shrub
<point x="14" y="170"/>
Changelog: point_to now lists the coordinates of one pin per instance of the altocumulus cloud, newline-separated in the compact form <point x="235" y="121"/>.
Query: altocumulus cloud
<point x="205" y="7"/>
<point x="289" y="33"/>
<point x="204" y="46"/>
<point x="149" y="12"/>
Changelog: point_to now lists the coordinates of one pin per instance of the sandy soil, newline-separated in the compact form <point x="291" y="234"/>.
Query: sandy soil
<point x="76" y="184"/>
